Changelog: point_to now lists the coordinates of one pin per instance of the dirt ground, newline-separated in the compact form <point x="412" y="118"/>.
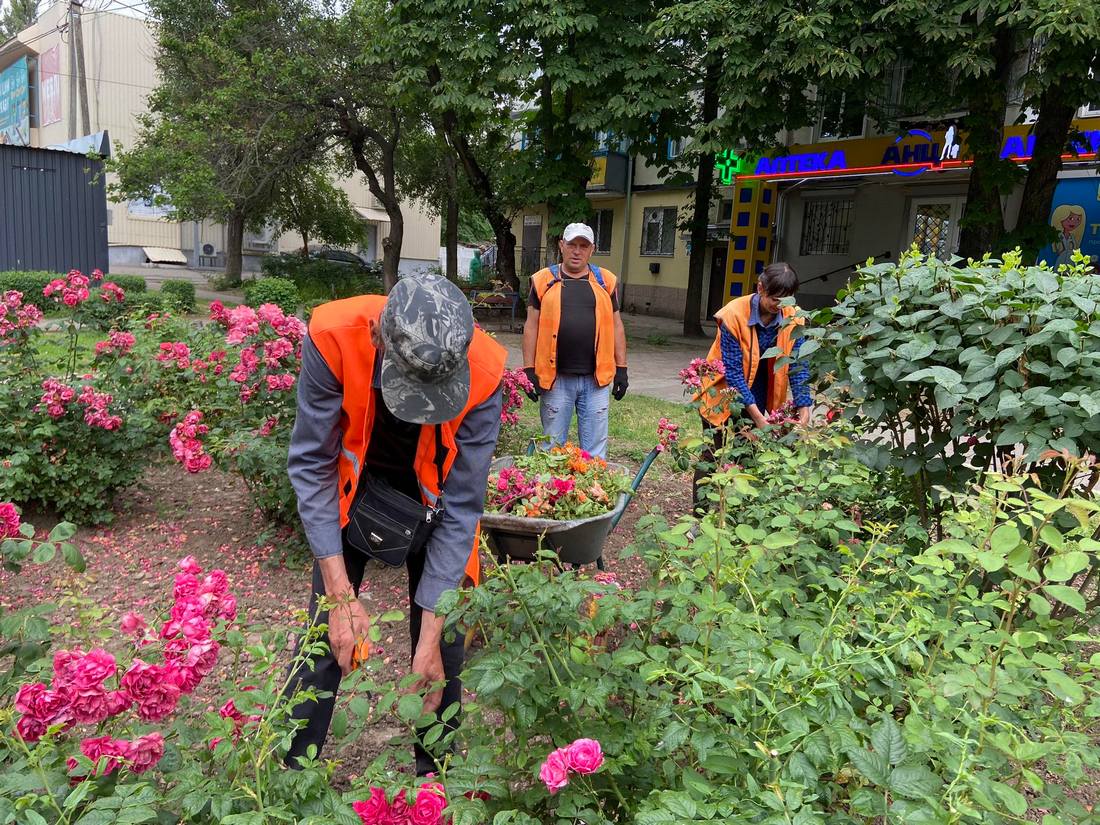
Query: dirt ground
<point x="172" y="514"/>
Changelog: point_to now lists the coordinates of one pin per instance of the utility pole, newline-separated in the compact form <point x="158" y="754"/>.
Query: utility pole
<point x="78" y="40"/>
<point x="72" y="74"/>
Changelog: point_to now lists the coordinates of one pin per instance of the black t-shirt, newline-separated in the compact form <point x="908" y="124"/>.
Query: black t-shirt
<point x="577" y="328"/>
<point x="392" y="449"/>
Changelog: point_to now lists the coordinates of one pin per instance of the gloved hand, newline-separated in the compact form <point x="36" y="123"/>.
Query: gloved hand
<point x="535" y="390"/>
<point x="618" y="389"/>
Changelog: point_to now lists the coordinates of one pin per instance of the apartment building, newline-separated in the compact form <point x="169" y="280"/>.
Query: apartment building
<point x="40" y="107"/>
<point x="846" y="190"/>
<point x="640" y="223"/>
<point x="836" y="194"/>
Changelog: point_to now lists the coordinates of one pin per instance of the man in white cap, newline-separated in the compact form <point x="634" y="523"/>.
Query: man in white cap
<point x="574" y="344"/>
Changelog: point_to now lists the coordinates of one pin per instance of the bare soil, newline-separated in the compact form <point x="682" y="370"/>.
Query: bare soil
<point x="172" y="514"/>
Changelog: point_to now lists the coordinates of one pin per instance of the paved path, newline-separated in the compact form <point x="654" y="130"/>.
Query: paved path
<point x="654" y="371"/>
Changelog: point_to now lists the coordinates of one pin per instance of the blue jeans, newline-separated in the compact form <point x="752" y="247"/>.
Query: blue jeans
<point x="590" y="400"/>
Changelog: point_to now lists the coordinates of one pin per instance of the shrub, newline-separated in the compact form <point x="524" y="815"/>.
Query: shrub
<point x="178" y="296"/>
<point x="797" y="661"/>
<point x="32" y="285"/>
<point x="228" y="389"/>
<point x="130" y="283"/>
<point x="321" y="280"/>
<point x="128" y="724"/>
<point x="72" y="431"/>
<point x="278" y="291"/>
<point x="956" y="365"/>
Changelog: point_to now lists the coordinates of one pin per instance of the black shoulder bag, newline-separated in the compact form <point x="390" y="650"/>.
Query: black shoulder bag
<point x="385" y="524"/>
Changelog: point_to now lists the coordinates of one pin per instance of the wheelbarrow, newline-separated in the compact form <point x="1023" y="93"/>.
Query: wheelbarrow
<point x="579" y="541"/>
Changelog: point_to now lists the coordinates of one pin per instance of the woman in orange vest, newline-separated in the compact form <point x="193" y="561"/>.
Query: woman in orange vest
<point x="402" y="389"/>
<point x="574" y="344"/>
<point x="748" y="327"/>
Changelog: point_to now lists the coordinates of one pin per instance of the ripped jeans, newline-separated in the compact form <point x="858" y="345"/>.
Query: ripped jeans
<point x="590" y="400"/>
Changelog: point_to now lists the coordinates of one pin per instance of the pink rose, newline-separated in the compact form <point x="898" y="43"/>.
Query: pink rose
<point x="9" y="521"/>
<point x="146" y="751"/>
<point x="400" y="810"/>
<point x="228" y="608"/>
<point x="429" y="805"/>
<point x="189" y="565"/>
<point x="152" y="688"/>
<point x="554" y="772"/>
<point x="118" y="701"/>
<point x="115" y="751"/>
<point x="132" y="624"/>
<point x="30" y="729"/>
<point x="375" y="810"/>
<point x="584" y="756"/>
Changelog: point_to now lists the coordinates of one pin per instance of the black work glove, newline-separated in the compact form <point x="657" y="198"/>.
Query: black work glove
<point x="618" y="390"/>
<point x="535" y="391"/>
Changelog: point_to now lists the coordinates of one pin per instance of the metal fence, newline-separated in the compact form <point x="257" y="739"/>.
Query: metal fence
<point x="54" y="211"/>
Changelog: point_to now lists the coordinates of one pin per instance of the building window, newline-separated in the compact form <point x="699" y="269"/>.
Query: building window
<point x="826" y="228"/>
<point x="601" y="224"/>
<point x="725" y="211"/>
<point x="840" y="117"/>
<point x="610" y="142"/>
<point x="659" y="230"/>
<point x="674" y="148"/>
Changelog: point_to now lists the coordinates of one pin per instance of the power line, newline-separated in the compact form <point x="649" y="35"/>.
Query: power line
<point x="105" y="80"/>
<point x="57" y="29"/>
<point x="118" y="6"/>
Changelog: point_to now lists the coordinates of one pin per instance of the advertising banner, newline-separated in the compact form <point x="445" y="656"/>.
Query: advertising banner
<point x="15" y="106"/>
<point x="1075" y="216"/>
<point x="49" y="86"/>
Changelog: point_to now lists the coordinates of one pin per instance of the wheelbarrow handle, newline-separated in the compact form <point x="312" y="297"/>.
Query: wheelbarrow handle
<point x="636" y="483"/>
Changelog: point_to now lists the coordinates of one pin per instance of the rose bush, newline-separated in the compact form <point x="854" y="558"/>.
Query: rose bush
<point x="72" y="428"/>
<point x="951" y="366"/>
<point x="122" y="727"/>
<point x="226" y="391"/>
<point x="810" y="656"/>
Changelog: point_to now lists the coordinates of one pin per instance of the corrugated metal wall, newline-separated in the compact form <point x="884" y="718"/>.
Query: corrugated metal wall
<point x="53" y="211"/>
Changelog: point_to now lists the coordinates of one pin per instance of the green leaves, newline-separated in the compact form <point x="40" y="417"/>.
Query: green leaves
<point x="1064" y="566"/>
<point x="887" y="741"/>
<point x="943" y="376"/>
<point x="947" y="360"/>
<point x="914" y="782"/>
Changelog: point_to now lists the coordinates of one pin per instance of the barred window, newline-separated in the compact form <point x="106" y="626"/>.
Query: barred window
<point x="601" y="224"/>
<point x="659" y="230"/>
<point x="826" y="226"/>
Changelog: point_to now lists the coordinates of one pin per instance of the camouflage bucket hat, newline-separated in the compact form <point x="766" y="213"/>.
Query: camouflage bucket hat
<point x="427" y="326"/>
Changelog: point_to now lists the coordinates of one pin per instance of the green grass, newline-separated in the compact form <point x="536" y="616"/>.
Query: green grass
<point x="52" y="348"/>
<point x="632" y="428"/>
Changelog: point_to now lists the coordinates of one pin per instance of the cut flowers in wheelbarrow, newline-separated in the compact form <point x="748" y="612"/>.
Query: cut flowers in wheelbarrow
<point x="562" y="483"/>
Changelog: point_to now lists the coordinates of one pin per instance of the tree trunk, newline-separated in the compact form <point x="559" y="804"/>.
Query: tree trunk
<point x="704" y="189"/>
<point x="486" y="196"/>
<point x="391" y="249"/>
<point x="506" y="256"/>
<point x="1051" y="134"/>
<point x="451" y="225"/>
<point x="234" y="248"/>
<point x="982" y="226"/>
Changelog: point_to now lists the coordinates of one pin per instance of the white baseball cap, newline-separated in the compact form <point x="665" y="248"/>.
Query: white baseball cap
<point x="578" y="230"/>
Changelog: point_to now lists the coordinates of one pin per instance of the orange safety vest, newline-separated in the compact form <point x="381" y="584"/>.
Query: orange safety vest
<point x="734" y="316"/>
<point x="546" y="345"/>
<point x="340" y="330"/>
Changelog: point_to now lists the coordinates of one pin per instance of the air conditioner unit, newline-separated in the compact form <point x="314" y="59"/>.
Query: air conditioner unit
<point x="263" y="241"/>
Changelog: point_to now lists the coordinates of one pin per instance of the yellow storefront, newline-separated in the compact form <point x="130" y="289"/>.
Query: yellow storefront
<point x="827" y="206"/>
